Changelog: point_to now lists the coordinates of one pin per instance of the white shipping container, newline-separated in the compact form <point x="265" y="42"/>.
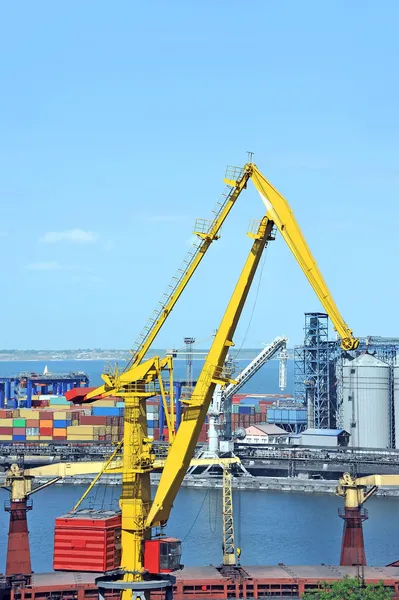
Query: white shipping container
<point x="32" y="431"/>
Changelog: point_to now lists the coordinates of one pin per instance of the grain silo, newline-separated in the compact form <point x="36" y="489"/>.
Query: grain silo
<point x="396" y="399"/>
<point x="366" y="401"/>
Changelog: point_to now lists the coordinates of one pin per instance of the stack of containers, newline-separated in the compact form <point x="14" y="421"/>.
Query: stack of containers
<point x="46" y="425"/>
<point x="19" y="429"/>
<point x="61" y="420"/>
<point x="152" y="417"/>
<point x="6" y="425"/>
<point x="32" y="423"/>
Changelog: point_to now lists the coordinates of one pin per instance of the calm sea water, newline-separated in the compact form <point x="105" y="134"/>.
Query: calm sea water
<point x="271" y="527"/>
<point x="266" y="380"/>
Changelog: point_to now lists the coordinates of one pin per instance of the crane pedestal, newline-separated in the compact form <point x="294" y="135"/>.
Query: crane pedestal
<point x="18" y="551"/>
<point x="352" y="550"/>
<point x="161" y="584"/>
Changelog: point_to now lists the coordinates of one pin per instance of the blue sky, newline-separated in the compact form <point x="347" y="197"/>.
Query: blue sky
<point x="117" y="121"/>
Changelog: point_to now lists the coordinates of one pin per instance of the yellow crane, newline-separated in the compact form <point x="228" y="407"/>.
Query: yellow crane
<point x="356" y="491"/>
<point x="143" y="378"/>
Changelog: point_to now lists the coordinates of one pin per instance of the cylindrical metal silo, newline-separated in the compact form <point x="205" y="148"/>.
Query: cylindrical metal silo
<point x="366" y="401"/>
<point x="396" y="399"/>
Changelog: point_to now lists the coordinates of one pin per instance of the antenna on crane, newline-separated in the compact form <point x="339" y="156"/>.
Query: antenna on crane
<point x="250" y="156"/>
<point x="189" y="341"/>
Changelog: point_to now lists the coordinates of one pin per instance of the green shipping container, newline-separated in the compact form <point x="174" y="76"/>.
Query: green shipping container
<point x="19" y="423"/>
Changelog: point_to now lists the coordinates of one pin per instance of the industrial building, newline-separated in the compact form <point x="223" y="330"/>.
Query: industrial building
<point x="266" y="434"/>
<point x="356" y="390"/>
<point x="325" y="437"/>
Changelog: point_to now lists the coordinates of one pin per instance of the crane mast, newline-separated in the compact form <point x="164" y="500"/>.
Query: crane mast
<point x="212" y="374"/>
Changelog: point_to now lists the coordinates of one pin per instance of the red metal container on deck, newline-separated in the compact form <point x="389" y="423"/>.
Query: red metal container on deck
<point x="88" y="540"/>
<point x="90" y="420"/>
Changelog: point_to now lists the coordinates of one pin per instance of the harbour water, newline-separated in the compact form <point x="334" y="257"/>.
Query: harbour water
<point x="271" y="527"/>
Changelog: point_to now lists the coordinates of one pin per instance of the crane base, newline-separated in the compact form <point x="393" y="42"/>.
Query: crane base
<point x="113" y="581"/>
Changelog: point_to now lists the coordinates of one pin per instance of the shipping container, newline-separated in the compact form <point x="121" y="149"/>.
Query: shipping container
<point x="5" y="413"/>
<point x="46" y="423"/>
<point x="106" y="411"/>
<point x="60" y="424"/>
<point x="46" y="431"/>
<point x="18" y="438"/>
<point x="88" y="540"/>
<point x="32" y="431"/>
<point x="19" y="423"/>
<point x="5" y="438"/>
<point x="28" y="413"/>
<point x="6" y="422"/>
<point x="45" y="438"/>
<point x="32" y="438"/>
<point x="32" y="422"/>
<point x="45" y="415"/>
<point x="61" y="414"/>
<point x="59" y="432"/>
<point x="107" y="403"/>
<point x="6" y="430"/>
<point x="92" y="420"/>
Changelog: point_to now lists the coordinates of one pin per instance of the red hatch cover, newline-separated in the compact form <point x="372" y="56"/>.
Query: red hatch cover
<point x="78" y="394"/>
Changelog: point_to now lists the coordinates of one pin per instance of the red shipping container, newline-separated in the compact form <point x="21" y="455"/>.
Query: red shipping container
<point x="46" y="431"/>
<point x="6" y="430"/>
<point x="40" y="403"/>
<point x="89" y="420"/>
<point x="88" y="540"/>
<point x="32" y="422"/>
<point x="45" y="415"/>
<point x="60" y="438"/>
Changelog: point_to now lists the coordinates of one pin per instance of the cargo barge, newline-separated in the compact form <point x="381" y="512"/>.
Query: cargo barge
<point x="201" y="583"/>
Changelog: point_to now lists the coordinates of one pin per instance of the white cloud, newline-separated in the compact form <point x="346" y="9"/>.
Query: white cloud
<point x="76" y="236"/>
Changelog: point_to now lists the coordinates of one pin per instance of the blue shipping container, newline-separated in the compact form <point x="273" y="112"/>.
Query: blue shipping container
<point x="60" y="423"/>
<point x="245" y="410"/>
<point x="107" y="411"/>
<point x="18" y="438"/>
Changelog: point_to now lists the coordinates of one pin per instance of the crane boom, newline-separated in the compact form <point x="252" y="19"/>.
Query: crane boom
<point x="264" y="355"/>
<point x="222" y="399"/>
<point x="280" y="212"/>
<point x="207" y="232"/>
<point x="196" y="408"/>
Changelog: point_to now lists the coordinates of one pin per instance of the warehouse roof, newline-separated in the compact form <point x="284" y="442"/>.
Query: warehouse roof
<point x="270" y="429"/>
<point x="330" y="432"/>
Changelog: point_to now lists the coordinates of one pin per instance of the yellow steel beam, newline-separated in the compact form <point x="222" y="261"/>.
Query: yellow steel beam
<point x="196" y="408"/>
<point x="279" y="211"/>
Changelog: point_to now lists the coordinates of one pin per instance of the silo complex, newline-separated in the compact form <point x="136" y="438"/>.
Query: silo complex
<point x="396" y="399"/>
<point x="366" y="401"/>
